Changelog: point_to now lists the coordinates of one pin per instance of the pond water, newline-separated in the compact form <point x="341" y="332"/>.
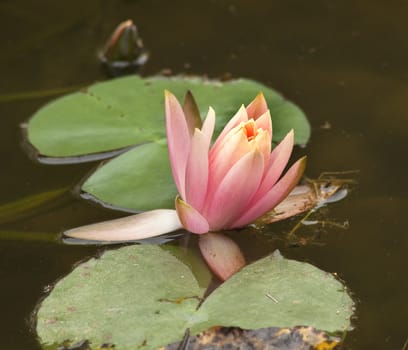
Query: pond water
<point x="344" y="63"/>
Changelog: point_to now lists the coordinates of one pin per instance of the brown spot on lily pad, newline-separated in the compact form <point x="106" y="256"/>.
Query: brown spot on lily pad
<point x="51" y="321"/>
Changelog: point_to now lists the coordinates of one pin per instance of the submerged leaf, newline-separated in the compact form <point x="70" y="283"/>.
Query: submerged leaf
<point x="28" y="236"/>
<point x="29" y="205"/>
<point x="28" y="95"/>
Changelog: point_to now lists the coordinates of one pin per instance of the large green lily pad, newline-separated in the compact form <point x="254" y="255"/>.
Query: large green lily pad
<point x="144" y="296"/>
<point x="128" y="111"/>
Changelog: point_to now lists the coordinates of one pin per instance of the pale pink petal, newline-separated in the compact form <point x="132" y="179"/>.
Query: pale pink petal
<point x="178" y="140"/>
<point x="197" y="170"/>
<point x="262" y="142"/>
<point x="222" y="254"/>
<point x="191" y="113"/>
<point x="148" y="224"/>
<point x="275" y="195"/>
<point x="233" y="149"/>
<point x="257" y="107"/>
<point x="265" y="122"/>
<point x="277" y="163"/>
<point x="240" y="117"/>
<point x="209" y="124"/>
<point x="190" y="218"/>
<point x="235" y="191"/>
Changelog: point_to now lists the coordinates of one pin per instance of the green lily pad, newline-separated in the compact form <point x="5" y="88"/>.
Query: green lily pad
<point x="128" y="111"/>
<point x="275" y="291"/>
<point x="139" y="179"/>
<point x="127" y="297"/>
<point x="142" y="295"/>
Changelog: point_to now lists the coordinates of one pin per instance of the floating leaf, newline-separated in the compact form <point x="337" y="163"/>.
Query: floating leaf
<point x="190" y="255"/>
<point x="144" y="296"/>
<point x="275" y="291"/>
<point x="136" y="180"/>
<point x="129" y="111"/>
<point x="133" y="296"/>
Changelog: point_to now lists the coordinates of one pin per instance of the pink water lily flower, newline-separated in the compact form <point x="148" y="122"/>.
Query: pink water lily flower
<point x="237" y="179"/>
<point x="224" y="186"/>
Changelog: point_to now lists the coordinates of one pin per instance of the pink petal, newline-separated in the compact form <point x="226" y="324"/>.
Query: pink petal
<point x="197" y="170"/>
<point x="178" y="140"/>
<point x="190" y="218"/>
<point x="222" y="254"/>
<point x="239" y="117"/>
<point x="262" y="141"/>
<point x="148" y="224"/>
<point x="277" y="163"/>
<point x="275" y="195"/>
<point x="265" y="122"/>
<point x="233" y="149"/>
<point x="235" y="191"/>
<point x="257" y="107"/>
<point x="209" y="124"/>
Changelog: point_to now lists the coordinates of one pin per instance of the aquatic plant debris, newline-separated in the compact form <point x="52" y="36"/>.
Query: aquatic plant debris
<point x="273" y="338"/>
<point x="119" y="299"/>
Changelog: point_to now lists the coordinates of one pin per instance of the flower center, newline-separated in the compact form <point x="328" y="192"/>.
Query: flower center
<point x="249" y="129"/>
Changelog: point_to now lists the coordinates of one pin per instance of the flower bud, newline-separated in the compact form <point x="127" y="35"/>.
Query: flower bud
<point x="124" y="52"/>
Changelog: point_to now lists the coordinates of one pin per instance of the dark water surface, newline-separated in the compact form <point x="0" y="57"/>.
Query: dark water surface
<point x="344" y="62"/>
